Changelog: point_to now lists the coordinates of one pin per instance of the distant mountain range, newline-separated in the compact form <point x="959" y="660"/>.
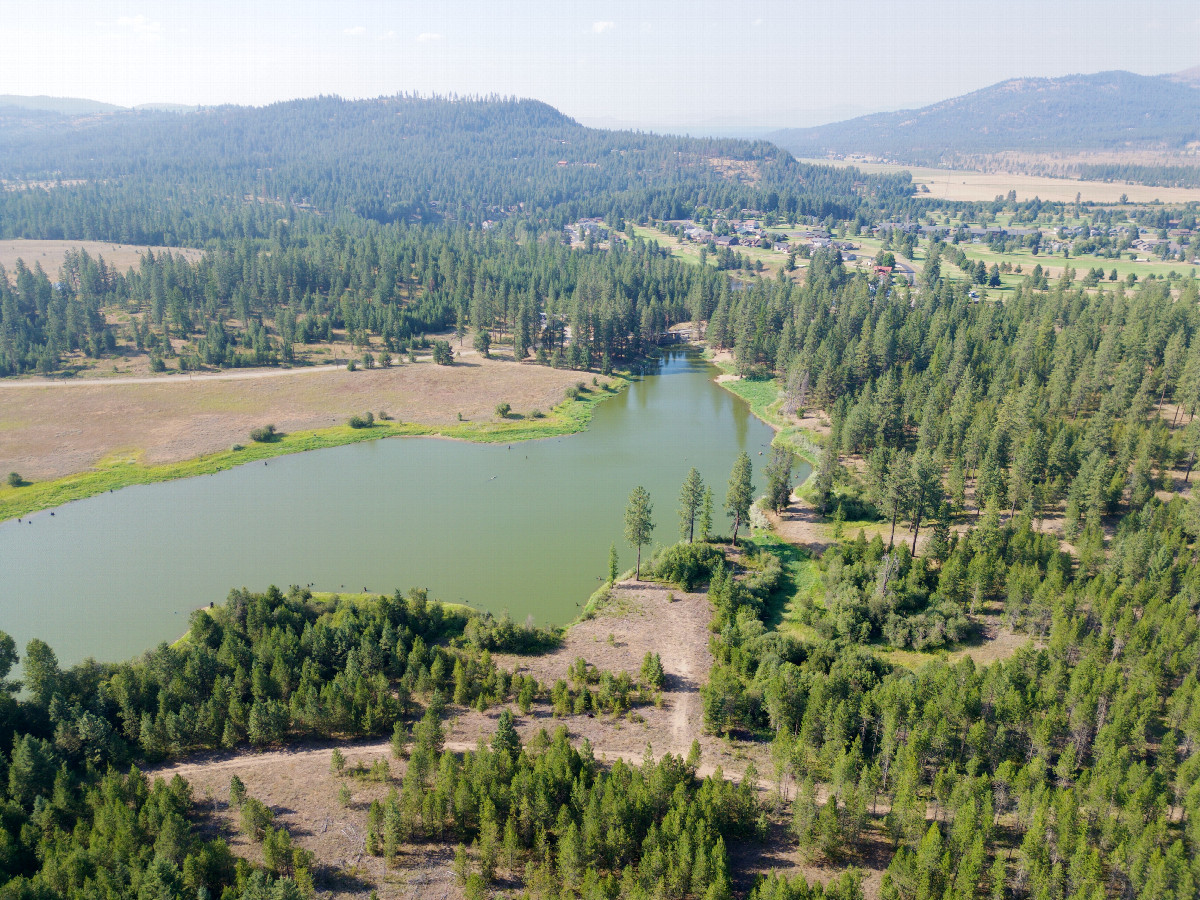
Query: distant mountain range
<point x="1103" y="112"/>
<point x="77" y="106"/>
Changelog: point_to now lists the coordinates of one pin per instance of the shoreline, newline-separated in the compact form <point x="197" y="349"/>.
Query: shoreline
<point x="803" y="442"/>
<point x="568" y="417"/>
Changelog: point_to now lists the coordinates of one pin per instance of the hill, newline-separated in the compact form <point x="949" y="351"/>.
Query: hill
<point x="391" y="159"/>
<point x="69" y="106"/>
<point x="1100" y="113"/>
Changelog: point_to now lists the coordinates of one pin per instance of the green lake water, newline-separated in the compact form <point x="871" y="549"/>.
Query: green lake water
<point x="523" y="528"/>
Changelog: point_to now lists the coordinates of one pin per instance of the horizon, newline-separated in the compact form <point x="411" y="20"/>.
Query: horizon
<point x="680" y="66"/>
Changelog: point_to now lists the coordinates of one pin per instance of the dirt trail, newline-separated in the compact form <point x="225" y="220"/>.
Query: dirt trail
<point x="165" y="379"/>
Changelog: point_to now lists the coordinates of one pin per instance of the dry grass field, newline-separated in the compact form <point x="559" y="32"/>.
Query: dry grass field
<point x="50" y="254"/>
<point x="48" y="430"/>
<point x="952" y="184"/>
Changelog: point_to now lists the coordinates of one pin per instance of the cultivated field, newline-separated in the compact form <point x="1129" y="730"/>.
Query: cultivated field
<point x="50" y="254"/>
<point x="48" y="430"/>
<point x="955" y="184"/>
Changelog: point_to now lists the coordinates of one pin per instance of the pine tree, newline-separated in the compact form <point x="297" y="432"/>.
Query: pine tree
<point x="740" y="494"/>
<point x="691" y="496"/>
<point x="706" y="514"/>
<point x="638" y="523"/>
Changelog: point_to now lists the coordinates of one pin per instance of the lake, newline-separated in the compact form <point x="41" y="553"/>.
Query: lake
<point x="523" y="528"/>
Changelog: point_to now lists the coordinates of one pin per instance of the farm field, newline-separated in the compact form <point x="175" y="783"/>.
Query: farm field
<point x="955" y="184"/>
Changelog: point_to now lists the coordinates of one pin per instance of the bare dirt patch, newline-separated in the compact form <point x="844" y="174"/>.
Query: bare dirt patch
<point x="640" y="618"/>
<point x="50" y="254"/>
<point x="51" y="430"/>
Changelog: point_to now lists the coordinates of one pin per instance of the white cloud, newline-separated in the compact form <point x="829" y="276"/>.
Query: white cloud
<point x="141" y="26"/>
<point x="426" y="37"/>
<point x="601" y="27"/>
<point x="355" y="31"/>
<point x="389" y="36"/>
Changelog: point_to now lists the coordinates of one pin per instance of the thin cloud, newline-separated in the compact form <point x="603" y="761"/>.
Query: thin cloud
<point x="426" y="37"/>
<point x="355" y="31"/>
<point x="601" y="27"/>
<point x="142" y="26"/>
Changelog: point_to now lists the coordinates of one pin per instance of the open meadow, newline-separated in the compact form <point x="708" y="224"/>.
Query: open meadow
<point x="962" y="185"/>
<point x="51" y="429"/>
<point x="50" y="254"/>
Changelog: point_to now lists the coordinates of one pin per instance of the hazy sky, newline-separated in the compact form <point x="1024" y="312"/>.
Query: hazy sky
<point x="651" y="63"/>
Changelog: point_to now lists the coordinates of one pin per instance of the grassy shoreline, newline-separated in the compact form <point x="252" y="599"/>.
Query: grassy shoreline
<point x="762" y="395"/>
<point x="119" y="471"/>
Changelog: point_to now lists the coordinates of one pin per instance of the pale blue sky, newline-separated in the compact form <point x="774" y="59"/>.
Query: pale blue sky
<point x="650" y="64"/>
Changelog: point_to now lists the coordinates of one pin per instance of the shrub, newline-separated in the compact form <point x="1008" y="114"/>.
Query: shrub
<point x="443" y="355"/>
<point x="15" y="480"/>
<point x="237" y="447"/>
<point x="255" y="818"/>
<point x="265" y="435"/>
<point x="503" y="409"/>
<point x="572" y="393"/>
<point x="687" y="565"/>
<point x="364" y="421"/>
<point x="352" y="366"/>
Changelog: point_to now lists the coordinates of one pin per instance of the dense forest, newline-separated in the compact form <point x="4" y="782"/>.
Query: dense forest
<point x="163" y="178"/>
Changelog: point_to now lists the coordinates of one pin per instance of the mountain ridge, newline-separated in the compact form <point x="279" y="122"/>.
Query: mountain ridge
<point x="1073" y="113"/>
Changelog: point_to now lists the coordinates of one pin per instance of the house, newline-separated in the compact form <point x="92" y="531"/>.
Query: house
<point x="883" y="271"/>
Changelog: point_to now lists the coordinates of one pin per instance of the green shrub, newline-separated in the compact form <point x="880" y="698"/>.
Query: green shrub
<point x="364" y="421"/>
<point x="503" y="409"/>
<point x="265" y="435"/>
<point x="15" y="480"/>
<point x="687" y="565"/>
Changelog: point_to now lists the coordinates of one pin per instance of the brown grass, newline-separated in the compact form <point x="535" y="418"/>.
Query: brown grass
<point x="50" y="254"/>
<point x="959" y="184"/>
<point x="51" y="430"/>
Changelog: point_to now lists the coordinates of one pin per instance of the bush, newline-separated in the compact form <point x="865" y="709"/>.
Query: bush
<point x="687" y="565"/>
<point x="352" y="366"/>
<point x="503" y="409"/>
<point x="364" y="421"/>
<point x="537" y="414"/>
<point x="443" y="355"/>
<point x="15" y="480"/>
<point x="255" y="818"/>
<point x="572" y="393"/>
<point x="265" y="435"/>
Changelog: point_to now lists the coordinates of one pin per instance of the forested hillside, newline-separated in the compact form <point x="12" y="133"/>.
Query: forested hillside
<point x="1104" y="111"/>
<point x="390" y="160"/>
